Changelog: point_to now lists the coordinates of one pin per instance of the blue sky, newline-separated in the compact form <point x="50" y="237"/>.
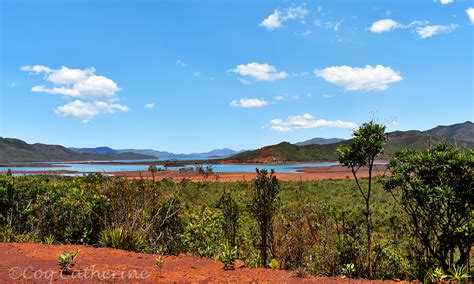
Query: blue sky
<point x="188" y="76"/>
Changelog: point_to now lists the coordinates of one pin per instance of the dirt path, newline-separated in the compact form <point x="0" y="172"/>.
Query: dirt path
<point x="36" y="263"/>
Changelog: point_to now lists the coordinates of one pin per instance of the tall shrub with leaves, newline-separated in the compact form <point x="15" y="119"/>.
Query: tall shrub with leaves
<point x="264" y="201"/>
<point x="230" y="212"/>
<point x="368" y="143"/>
<point x="202" y="235"/>
<point x="436" y="190"/>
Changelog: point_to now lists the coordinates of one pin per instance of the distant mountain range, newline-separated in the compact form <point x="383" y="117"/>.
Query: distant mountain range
<point x="15" y="150"/>
<point x="217" y="153"/>
<point x="316" y="149"/>
<point x="461" y="135"/>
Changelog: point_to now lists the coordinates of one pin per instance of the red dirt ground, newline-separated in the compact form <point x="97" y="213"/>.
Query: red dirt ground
<point x="36" y="263"/>
<point x="312" y="173"/>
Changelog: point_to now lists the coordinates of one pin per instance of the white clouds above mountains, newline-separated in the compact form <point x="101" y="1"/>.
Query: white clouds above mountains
<point x="87" y="110"/>
<point x="80" y="84"/>
<point x="307" y="121"/>
<point x="249" y="103"/>
<point x="366" y="78"/>
<point x="276" y="20"/>
<point x="258" y="72"/>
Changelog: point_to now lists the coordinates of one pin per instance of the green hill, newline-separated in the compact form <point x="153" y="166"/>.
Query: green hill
<point x="460" y="132"/>
<point x="413" y="139"/>
<point x="15" y="150"/>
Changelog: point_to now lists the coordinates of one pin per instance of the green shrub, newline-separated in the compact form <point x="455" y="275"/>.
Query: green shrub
<point x="202" y="234"/>
<point x="120" y="238"/>
<point x="228" y="257"/>
<point x="67" y="261"/>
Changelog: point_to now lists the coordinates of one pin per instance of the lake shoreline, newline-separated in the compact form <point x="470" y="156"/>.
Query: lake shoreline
<point x="303" y="173"/>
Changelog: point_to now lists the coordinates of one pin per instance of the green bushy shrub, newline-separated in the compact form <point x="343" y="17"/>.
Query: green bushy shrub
<point x="202" y="235"/>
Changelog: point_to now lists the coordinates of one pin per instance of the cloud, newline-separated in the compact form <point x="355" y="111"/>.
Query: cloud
<point x="36" y="69"/>
<point x="307" y="121"/>
<point x="258" y="72"/>
<point x="249" y="103"/>
<point x="384" y="25"/>
<point x="196" y="74"/>
<point x="305" y="33"/>
<point x="85" y="111"/>
<point x="273" y="21"/>
<point x="12" y="84"/>
<point x="66" y="76"/>
<point x="429" y="31"/>
<point x="181" y="63"/>
<point x="422" y="28"/>
<point x="444" y="2"/>
<point x="276" y="20"/>
<point x="330" y="25"/>
<point x="150" y="105"/>
<point x="286" y="98"/>
<point x="81" y="84"/>
<point x="470" y="14"/>
<point x="367" y="78"/>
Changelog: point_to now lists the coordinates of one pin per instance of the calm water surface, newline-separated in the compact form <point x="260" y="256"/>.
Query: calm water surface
<point x="93" y="168"/>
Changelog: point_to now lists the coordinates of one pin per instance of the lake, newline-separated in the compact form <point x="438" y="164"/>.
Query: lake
<point x="220" y="168"/>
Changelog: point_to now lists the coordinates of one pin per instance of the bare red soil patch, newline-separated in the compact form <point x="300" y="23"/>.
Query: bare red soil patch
<point x="312" y="173"/>
<point x="36" y="263"/>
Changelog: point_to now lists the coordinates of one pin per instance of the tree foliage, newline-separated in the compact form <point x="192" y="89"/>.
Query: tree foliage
<point x="263" y="205"/>
<point x="436" y="190"/>
<point x="230" y="212"/>
<point x="368" y="142"/>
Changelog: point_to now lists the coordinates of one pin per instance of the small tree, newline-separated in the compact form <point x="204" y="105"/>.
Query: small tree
<point x="435" y="188"/>
<point x="368" y="142"/>
<point x="230" y="211"/>
<point x="152" y="169"/>
<point x="263" y="205"/>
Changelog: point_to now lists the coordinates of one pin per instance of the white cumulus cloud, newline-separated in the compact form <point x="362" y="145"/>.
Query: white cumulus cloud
<point x="429" y="31"/>
<point x="82" y="85"/>
<point x="258" y="72"/>
<point x="150" y="105"/>
<point x="278" y="17"/>
<point x="249" y="103"/>
<point x="384" y="25"/>
<point x="366" y="78"/>
<point x="85" y="111"/>
<point x="307" y="121"/>
<point x="470" y="14"/>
